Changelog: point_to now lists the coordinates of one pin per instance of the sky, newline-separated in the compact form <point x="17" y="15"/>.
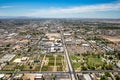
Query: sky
<point x="61" y="8"/>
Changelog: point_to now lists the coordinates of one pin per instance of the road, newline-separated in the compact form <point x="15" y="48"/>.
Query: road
<point x="13" y="75"/>
<point x="37" y="41"/>
<point x="42" y="62"/>
<point x="97" y="71"/>
<point x="49" y="72"/>
<point x="71" y="70"/>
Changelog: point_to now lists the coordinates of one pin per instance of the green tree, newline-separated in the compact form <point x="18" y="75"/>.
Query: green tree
<point x="103" y="78"/>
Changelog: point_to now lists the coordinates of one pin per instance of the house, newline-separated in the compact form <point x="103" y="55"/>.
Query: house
<point x="39" y="77"/>
<point x="68" y="41"/>
<point x="67" y="34"/>
<point x="58" y="44"/>
<point x="78" y="41"/>
<point x="61" y="49"/>
<point x="45" y="39"/>
<point x="28" y="36"/>
<point x="118" y="64"/>
<point x="2" y="76"/>
<point x="12" y="34"/>
<point x="24" y="58"/>
<point x="2" y="65"/>
<point x="36" y="61"/>
<point x="18" y="76"/>
<point x="52" y="50"/>
<point x="92" y="41"/>
<point x="7" y="57"/>
<point x="87" y="77"/>
<point x="85" y="45"/>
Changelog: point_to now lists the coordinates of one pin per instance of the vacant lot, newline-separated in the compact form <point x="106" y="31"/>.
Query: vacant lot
<point x="113" y="39"/>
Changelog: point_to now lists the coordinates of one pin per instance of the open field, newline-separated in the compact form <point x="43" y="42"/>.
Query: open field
<point x="75" y="49"/>
<point x="113" y="39"/>
<point x="53" y="36"/>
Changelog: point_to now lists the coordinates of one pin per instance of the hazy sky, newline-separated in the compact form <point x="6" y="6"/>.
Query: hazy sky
<point x="61" y="8"/>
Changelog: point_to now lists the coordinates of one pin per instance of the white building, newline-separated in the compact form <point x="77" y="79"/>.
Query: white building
<point x="87" y="77"/>
<point x="2" y="76"/>
<point x="7" y="57"/>
<point x="38" y="76"/>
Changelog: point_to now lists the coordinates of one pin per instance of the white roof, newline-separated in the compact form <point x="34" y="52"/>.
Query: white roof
<point x="24" y="58"/>
<point x="7" y="57"/>
<point x="38" y="75"/>
<point x="18" y="76"/>
<point x="68" y="39"/>
<point x="85" y="44"/>
<point x="118" y="64"/>
<point x="67" y="34"/>
<point x="2" y="75"/>
<point x="92" y="41"/>
<point x="87" y="77"/>
<point x="52" y="49"/>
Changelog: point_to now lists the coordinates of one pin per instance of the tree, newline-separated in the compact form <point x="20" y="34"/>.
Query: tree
<point x="103" y="78"/>
<point x="31" y="67"/>
<point x="109" y="67"/>
<point x="7" y="63"/>
<point x="110" y="57"/>
<point x="52" y="77"/>
<point x="84" y="68"/>
<point x="107" y="74"/>
<point x="117" y="77"/>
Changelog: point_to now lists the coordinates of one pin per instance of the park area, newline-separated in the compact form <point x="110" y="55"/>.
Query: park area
<point x="54" y="63"/>
<point x="90" y="62"/>
<point x="36" y="62"/>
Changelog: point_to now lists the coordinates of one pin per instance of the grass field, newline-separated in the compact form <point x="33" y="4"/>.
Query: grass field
<point x="94" y="61"/>
<point x="90" y="61"/>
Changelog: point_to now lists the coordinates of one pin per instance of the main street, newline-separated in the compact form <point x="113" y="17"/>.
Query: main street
<point x="71" y="70"/>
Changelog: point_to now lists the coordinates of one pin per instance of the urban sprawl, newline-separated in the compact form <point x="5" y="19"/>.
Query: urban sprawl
<point x="59" y="49"/>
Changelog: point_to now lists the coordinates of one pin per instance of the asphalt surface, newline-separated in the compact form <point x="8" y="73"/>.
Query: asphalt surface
<point x="71" y="70"/>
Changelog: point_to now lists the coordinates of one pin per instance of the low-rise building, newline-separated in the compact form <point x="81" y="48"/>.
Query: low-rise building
<point x="18" y="76"/>
<point x="87" y="77"/>
<point x="24" y="58"/>
<point x="7" y="58"/>
<point x="39" y="77"/>
<point x="2" y="76"/>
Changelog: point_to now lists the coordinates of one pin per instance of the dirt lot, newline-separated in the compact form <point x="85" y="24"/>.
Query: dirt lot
<point x="16" y="47"/>
<point x="29" y="76"/>
<point x="113" y="39"/>
<point x="24" y="41"/>
<point x="53" y="36"/>
<point x="73" y="49"/>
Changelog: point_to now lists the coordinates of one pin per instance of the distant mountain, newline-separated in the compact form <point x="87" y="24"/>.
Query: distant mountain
<point x="25" y="17"/>
<point x="14" y="17"/>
